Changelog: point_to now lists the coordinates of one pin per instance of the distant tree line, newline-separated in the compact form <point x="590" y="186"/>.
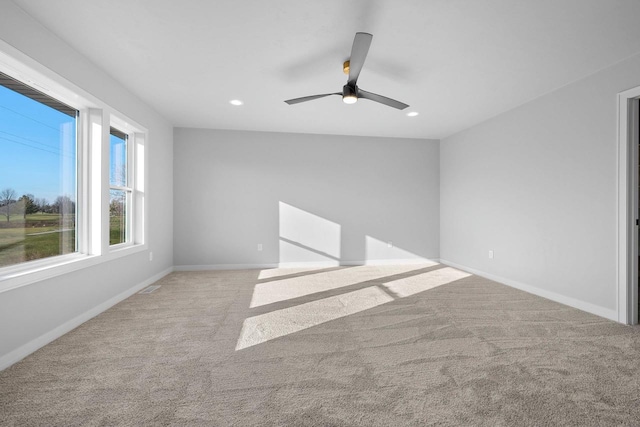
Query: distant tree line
<point x="27" y="204"/>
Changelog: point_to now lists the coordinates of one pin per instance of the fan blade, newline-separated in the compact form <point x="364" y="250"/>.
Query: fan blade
<point x="359" y="51"/>
<point x="381" y="99"/>
<point x="308" y="98"/>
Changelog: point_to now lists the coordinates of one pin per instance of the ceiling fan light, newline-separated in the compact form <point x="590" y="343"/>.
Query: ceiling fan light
<point x="349" y="99"/>
<point x="349" y="94"/>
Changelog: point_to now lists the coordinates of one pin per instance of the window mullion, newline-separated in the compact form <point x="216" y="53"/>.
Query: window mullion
<point x="131" y="202"/>
<point x="83" y="211"/>
<point x="117" y="187"/>
<point x="104" y="183"/>
<point x="139" y="185"/>
<point x="93" y="183"/>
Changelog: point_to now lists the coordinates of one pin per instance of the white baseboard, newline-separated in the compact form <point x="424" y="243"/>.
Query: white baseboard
<point x="312" y="264"/>
<point x="205" y="267"/>
<point x="562" y="299"/>
<point x="33" y="345"/>
<point x="408" y="261"/>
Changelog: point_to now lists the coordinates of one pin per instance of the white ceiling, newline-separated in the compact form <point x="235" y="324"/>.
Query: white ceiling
<point x="456" y="62"/>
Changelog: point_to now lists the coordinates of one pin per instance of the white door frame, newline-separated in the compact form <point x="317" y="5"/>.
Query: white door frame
<point x="628" y="212"/>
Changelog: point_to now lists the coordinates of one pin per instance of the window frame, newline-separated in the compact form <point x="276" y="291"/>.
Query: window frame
<point x="129" y="210"/>
<point x="92" y="164"/>
<point x="36" y="95"/>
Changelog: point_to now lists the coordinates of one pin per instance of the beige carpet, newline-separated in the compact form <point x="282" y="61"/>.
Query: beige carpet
<point x="348" y="346"/>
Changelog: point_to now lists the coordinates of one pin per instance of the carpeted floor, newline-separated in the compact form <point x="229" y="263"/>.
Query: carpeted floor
<point x="347" y="346"/>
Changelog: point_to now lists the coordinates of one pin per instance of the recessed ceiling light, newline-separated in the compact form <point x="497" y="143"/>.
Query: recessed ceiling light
<point x="236" y="102"/>
<point x="412" y="114"/>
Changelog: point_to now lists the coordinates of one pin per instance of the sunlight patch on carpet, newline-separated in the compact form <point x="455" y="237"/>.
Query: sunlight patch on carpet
<point x="423" y="282"/>
<point x="296" y="287"/>
<point x="265" y="327"/>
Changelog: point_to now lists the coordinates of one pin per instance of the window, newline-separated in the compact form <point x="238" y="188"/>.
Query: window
<point x="38" y="170"/>
<point x="120" y="192"/>
<point x="72" y="176"/>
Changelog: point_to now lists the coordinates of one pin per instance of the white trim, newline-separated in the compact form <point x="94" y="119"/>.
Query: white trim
<point x="632" y="287"/>
<point x="126" y="189"/>
<point x="407" y="261"/>
<point x="30" y="72"/>
<point x="626" y="280"/>
<point x="316" y="264"/>
<point x="204" y="267"/>
<point x="311" y="264"/>
<point x="562" y="299"/>
<point x="94" y="194"/>
<point x="140" y="185"/>
<point x="33" y="345"/>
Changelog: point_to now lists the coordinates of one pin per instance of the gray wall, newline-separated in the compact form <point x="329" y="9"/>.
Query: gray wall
<point x="306" y="198"/>
<point x="537" y="185"/>
<point x="31" y="311"/>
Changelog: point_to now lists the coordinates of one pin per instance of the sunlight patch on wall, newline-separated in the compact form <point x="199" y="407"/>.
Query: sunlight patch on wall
<point x="292" y="253"/>
<point x="295" y="287"/>
<point x="305" y="237"/>
<point x="265" y="327"/>
<point x="422" y="282"/>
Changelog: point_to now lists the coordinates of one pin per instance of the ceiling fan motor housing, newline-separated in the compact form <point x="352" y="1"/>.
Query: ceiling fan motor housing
<point x="349" y="91"/>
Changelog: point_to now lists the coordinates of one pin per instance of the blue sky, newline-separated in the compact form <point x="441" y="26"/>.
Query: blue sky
<point x="118" y="161"/>
<point x="35" y="155"/>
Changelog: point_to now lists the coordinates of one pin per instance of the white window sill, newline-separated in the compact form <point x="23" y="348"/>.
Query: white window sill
<point x="36" y="271"/>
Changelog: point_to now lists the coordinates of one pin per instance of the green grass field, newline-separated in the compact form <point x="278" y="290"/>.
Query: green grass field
<point x="116" y="230"/>
<point x="44" y="235"/>
<point x="34" y="237"/>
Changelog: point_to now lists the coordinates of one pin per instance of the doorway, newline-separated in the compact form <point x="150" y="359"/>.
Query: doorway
<point x="634" y="133"/>
<point x="629" y="206"/>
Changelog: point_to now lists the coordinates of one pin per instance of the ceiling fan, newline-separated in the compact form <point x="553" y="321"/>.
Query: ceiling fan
<point x="351" y="92"/>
